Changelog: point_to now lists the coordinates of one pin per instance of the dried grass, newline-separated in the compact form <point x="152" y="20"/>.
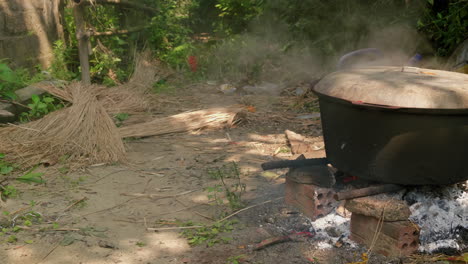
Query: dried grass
<point x="83" y="132"/>
<point x="190" y="121"/>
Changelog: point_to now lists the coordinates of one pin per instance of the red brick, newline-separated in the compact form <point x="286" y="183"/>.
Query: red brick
<point x="399" y="238"/>
<point x="311" y="200"/>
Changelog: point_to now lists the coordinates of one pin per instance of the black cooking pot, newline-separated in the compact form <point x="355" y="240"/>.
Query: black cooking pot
<point x="396" y="125"/>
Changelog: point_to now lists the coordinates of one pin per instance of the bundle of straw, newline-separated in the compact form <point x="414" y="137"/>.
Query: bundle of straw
<point x="190" y="121"/>
<point x="83" y="133"/>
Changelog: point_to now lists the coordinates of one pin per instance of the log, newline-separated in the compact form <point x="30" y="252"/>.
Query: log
<point x="124" y="3"/>
<point x="83" y="41"/>
<point x="389" y="209"/>
<point x="116" y="32"/>
<point x="385" y="188"/>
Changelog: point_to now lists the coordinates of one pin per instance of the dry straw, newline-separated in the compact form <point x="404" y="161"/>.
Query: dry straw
<point x="190" y="121"/>
<point x="83" y="134"/>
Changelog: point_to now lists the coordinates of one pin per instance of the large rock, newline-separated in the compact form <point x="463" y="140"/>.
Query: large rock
<point x="24" y="94"/>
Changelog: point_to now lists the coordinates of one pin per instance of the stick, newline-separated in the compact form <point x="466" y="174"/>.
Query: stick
<point x="219" y="221"/>
<point x="125" y="3"/>
<point x="75" y="203"/>
<point x="110" y="208"/>
<point x="247" y="208"/>
<point x="15" y="103"/>
<point x="385" y="188"/>
<point x="204" y="216"/>
<point x="50" y="252"/>
<point x="172" y="228"/>
<point x="117" y="32"/>
<point x="147" y="195"/>
<point x="272" y="241"/>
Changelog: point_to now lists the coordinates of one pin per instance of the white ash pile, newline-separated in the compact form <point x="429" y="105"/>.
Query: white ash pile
<point x="442" y="215"/>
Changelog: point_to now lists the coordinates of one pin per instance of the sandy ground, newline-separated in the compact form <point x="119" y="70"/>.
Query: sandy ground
<point x="110" y="224"/>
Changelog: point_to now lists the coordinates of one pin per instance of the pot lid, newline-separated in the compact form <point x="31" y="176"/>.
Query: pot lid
<point x="407" y="87"/>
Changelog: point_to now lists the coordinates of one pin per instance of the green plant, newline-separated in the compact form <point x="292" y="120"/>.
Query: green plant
<point x="120" y="118"/>
<point x="209" y="234"/>
<point x="62" y="57"/>
<point x="233" y="192"/>
<point x="8" y="191"/>
<point x="140" y="244"/>
<point x="11" y="80"/>
<point x="40" y="106"/>
<point x="5" y="167"/>
<point x="12" y="239"/>
<point x="31" y="177"/>
<point x="448" y="27"/>
<point x="236" y="259"/>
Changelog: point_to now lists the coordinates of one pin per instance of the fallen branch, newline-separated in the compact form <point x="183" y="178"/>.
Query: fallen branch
<point x="124" y="3"/>
<point x="116" y="32"/>
<point x="281" y="239"/>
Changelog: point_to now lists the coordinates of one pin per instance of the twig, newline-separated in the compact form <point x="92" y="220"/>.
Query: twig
<point x="110" y="208"/>
<point x="48" y="230"/>
<point x="50" y="252"/>
<point x="75" y="203"/>
<point x="145" y="195"/>
<point x="247" y="208"/>
<point x="219" y="221"/>
<point x="23" y="209"/>
<point x="15" y="103"/>
<point x="107" y="175"/>
<point x="207" y="217"/>
<point x="172" y="228"/>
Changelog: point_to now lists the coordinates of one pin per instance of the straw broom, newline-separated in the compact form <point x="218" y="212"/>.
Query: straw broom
<point x="213" y="118"/>
<point x="83" y="133"/>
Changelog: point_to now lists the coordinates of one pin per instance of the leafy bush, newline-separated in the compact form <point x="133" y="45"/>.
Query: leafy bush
<point x="11" y="80"/>
<point x="445" y="27"/>
<point x="40" y="106"/>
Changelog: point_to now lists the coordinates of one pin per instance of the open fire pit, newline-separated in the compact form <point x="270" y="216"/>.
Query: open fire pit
<point x="395" y="130"/>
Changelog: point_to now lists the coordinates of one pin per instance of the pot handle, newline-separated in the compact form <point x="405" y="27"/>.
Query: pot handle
<point x="345" y="58"/>
<point x="374" y="105"/>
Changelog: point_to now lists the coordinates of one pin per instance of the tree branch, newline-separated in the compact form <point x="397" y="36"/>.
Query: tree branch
<point x="125" y="3"/>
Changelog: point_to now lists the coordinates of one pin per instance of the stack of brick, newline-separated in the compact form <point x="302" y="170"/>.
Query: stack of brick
<point x="383" y="226"/>
<point x="311" y="200"/>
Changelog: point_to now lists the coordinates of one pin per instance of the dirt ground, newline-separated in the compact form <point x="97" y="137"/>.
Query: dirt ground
<point x="109" y="222"/>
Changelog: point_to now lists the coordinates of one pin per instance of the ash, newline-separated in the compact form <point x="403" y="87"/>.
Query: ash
<point x="442" y="215"/>
<point x="331" y="229"/>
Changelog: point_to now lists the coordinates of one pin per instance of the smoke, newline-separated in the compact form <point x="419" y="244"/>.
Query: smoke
<point x="304" y="42"/>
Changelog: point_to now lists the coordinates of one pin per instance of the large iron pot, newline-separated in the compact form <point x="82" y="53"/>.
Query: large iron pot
<point x="396" y="125"/>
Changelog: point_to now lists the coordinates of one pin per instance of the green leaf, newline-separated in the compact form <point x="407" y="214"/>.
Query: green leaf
<point x="31" y="176"/>
<point x="35" y="98"/>
<point x="28" y="241"/>
<point x="48" y="100"/>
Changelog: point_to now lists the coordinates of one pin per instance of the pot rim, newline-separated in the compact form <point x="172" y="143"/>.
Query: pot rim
<point x="378" y="107"/>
